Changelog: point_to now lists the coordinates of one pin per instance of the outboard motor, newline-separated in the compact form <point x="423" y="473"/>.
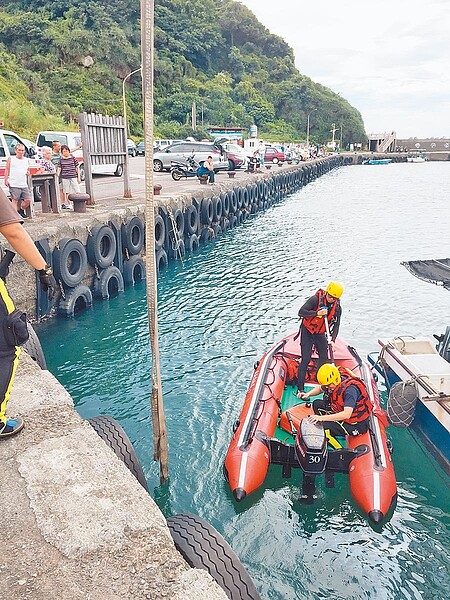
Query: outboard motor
<point x="311" y="451"/>
<point x="311" y="447"/>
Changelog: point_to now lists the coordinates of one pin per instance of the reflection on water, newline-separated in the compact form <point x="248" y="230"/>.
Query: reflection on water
<point x="218" y="314"/>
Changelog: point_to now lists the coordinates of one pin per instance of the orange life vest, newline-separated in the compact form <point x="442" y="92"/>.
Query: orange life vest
<point x="317" y="324"/>
<point x="363" y="406"/>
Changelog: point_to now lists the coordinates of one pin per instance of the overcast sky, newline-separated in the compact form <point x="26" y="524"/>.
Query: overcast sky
<point x="389" y="58"/>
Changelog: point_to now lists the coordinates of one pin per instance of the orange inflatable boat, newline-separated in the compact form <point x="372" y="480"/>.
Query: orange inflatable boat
<point x="272" y="428"/>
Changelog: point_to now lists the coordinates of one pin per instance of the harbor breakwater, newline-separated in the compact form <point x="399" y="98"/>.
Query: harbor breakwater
<point x="96" y="255"/>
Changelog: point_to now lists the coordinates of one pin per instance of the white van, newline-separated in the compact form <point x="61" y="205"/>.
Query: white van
<point x="73" y="139"/>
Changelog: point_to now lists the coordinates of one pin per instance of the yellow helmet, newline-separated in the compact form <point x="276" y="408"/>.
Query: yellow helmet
<point x="328" y="374"/>
<point x="335" y="289"/>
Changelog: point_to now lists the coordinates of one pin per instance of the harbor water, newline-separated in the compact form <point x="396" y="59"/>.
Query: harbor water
<point x="219" y="311"/>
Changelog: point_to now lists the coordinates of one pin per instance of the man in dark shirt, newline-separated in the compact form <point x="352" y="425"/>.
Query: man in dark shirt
<point x="323" y="305"/>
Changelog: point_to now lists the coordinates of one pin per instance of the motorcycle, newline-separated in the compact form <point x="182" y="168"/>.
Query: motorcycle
<point x="187" y="169"/>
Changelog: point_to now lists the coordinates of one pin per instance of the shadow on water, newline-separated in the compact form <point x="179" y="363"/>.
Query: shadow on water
<point x="218" y="313"/>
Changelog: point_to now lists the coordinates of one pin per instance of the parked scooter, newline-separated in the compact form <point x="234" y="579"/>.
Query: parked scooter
<point x="187" y="169"/>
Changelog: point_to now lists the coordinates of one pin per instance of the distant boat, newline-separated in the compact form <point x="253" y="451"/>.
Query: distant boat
<point x="377" y="161"/>
<point x="417" y="159"/>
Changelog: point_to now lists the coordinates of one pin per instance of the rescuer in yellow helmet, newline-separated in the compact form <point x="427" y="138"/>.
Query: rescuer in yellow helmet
<point x="324" y="305"/>
<point x="346" y="406"/>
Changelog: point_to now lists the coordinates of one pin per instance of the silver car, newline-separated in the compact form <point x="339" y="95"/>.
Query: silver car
<point x="180" y="152"/>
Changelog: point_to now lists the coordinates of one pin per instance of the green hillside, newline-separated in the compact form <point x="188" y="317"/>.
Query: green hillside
<point x="58" y="58"/>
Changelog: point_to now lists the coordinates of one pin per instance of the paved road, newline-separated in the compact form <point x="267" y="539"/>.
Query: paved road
<point x="108" y="187"/>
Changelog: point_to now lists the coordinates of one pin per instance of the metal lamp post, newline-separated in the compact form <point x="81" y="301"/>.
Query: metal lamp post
<point x="124" y="99"/>
<point x="307" y="127"/>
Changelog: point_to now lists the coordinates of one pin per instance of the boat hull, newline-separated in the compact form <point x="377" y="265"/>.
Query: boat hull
<point x="372" y="478"/>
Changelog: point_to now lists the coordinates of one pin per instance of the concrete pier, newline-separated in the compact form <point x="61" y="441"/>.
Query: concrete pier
<point x="76" y="523"/>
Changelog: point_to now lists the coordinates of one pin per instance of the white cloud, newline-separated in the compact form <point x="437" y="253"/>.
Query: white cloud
<point x="388" y="58"/>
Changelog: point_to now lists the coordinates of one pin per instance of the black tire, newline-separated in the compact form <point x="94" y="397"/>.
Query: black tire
<point x="133" y="270"/>
<point x="119" y="171"/>
<point x="157" y="166"/>
<point x="70" y="262"/>
<point x="109" y="283"/>
<point x="206" y="211"/>
<point x="133" y="235"/>
<point x="160" y="232"/>
<point x="115" y="437"/>
<point x="176" y="175"/>
<point x="217" y="208"/>
<point x="101" y="246"/>
<point x="192" y="243"/>
<point x="191" y="220"/>
<point x="202" y="547"/>
<point x="33" y="347"/>
<point x="77" y="300"/>
<point x="275" y="160"/>
<point x="231" y="165"/>
<point x="161" y="260"/>
<point x="205" y="235"/>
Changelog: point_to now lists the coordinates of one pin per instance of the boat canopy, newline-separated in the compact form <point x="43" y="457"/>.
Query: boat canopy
<point x="435" y="271"/>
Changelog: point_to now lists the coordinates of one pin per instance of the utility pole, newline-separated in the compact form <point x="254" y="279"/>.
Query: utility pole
<point x="333" y="131"/>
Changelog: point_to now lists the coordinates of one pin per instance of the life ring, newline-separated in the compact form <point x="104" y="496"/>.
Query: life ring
<point x="206" y="211"/>
<point x="205" y="235"/>
<point x="161" y="260"/>
<point x="204" y="548"/>
<point x="191" y="220"/>
<point x="108" y="283"/>
<point x="192" y="243"/>
<point x="160" y="232"/>
<point x="133" y="235"/>
<point x="133" y="270"/>
<point x="101" y="246"/>
<point x="217" y="208"/>
<point x="77" y="300"/>
<point x="70" y="262"/>
<point x="225" y="199"/>
<point x="115" y="437"/>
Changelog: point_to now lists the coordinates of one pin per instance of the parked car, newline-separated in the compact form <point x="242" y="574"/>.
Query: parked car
<point x="163" y="144"/>
<point x="273" y="155"/>
<point x="73" y="139"/>
<point x="131" y="148"/>
<point x="8" y="141"/>
<point x="140" y="149"/>
<point x="180" y="152"/>
<point x="235" y="155"/>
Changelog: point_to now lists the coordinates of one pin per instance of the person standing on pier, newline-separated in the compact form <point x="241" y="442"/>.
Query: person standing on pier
<point x="325" y="304"/>
<point x="11" y="228"/>
<point x="17" y="171"/>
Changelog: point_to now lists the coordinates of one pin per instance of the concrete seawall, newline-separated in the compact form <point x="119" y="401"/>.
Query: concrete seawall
<point x="76" y="523"/>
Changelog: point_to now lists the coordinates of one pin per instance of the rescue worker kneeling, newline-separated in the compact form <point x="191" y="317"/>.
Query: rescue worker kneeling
<point x="347" y="398"/>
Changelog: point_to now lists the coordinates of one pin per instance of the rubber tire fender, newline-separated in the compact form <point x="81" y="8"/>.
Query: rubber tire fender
<point x="71" y="304"/>
<point x="101" y="246"/>
<point x="33" y="347"/>
<point x="133" y="235"/>
<point x="115" y="437"/>
<point x="101" y="288"/>
<point x="205" y="235"/>
<point x="203" y="547"/>
<point x="191" y="220"/>
<point x="133" y="270"/>
<point x="245" y="197"/>
<point x="233" y="196"/>
<point x="226" y="204"/>
<point x="217" y="208"/>
<point x="70" y="262"/>
<point x="233" y="221"/>
<point x="178" y="219"/>
<point x="161" y="260"/>
<point x="206" y="211"/>
<point x="192" y="243"/>
<point x="160" y="232"/>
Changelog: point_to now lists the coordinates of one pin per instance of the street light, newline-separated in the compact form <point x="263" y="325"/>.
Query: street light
<point x="307" y="127"/>
<point x="124" y="99"/>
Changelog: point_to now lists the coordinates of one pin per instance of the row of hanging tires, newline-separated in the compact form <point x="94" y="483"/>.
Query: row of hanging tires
<point x="111" y="258"/>
<point x="114" y="254"/>
<point x="180" y="231"/>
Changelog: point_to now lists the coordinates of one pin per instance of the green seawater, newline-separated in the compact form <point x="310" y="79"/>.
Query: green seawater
<point x="218" y="313"/>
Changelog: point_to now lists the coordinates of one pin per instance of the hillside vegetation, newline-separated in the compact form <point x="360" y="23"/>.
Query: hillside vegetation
<point x="58" y="58"/>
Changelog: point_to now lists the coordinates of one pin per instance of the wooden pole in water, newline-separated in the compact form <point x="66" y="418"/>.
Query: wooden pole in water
<point x="160" y="447"/>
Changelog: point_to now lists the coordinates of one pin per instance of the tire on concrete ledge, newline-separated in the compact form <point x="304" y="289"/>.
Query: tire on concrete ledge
<point x="77" y="300"/>
<point x="115" y="437"/>
<point x="33" y="347"/>
<point x="203" y="547"/>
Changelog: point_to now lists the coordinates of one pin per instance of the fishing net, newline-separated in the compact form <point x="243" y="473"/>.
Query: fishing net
<point x="401" y="404"/>
<point x="435" y="271"/>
